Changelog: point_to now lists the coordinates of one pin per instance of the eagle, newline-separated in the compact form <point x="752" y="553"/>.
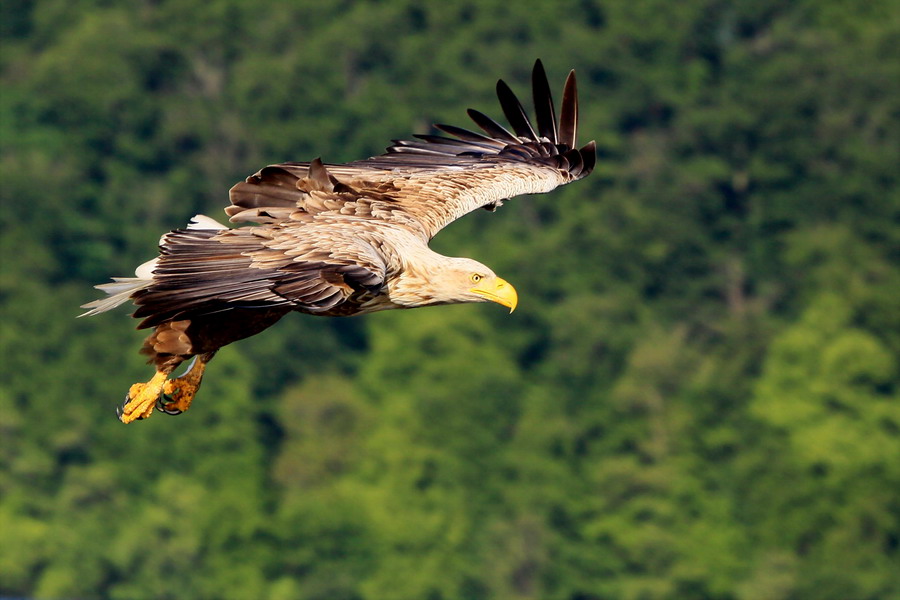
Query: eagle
<point x="341" y="239"/>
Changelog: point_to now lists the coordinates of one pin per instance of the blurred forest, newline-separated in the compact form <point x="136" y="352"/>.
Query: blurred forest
<point x="698" y="397"/>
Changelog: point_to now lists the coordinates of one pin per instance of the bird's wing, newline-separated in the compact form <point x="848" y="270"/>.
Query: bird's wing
<point x="430" y="182"/>
<point x="203" y="271"/>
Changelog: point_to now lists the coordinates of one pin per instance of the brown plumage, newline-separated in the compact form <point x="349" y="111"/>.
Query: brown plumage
<point x="341" y="240"/>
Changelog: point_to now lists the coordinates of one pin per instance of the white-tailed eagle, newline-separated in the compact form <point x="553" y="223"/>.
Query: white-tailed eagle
<point x="341" y="240"/>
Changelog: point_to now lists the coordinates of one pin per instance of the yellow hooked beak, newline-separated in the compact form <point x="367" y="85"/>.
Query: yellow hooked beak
<point x="499" y="291"/>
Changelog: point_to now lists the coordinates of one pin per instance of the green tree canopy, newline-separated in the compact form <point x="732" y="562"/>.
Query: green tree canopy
<point x="697" y="397"/>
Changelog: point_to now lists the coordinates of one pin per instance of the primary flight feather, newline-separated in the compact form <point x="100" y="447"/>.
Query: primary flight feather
<point x="341" y="240"/>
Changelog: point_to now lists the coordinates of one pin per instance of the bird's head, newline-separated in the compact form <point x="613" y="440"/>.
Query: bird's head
<point x="461" y="280"/>
<point x="474" y="282"/>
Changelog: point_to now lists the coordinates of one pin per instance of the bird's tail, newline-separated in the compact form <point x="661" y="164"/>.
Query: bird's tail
<point x="120" y="290"/>
<point x="123" y="289"/>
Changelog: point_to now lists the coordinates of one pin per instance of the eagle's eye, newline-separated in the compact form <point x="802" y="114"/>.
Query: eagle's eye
<point x="475" y="278"/>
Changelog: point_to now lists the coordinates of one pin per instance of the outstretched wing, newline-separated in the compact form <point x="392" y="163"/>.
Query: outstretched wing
<point x="431" y="181"/>
<point x="205" y="271"/>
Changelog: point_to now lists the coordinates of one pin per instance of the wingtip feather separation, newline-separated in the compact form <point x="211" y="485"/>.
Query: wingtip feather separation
<point x="553" y="143"/>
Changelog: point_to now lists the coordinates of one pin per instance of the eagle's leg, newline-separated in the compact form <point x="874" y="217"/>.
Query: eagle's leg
<point x="168" y="346"/>
<point x="173" y="342"/>
<point x="141" y="398"/>
<point x="177" y="394"/>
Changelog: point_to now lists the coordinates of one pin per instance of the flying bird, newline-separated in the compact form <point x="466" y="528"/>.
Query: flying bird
<point x="341" y="239"/>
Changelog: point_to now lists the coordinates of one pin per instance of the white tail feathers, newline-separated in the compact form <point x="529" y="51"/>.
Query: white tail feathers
<point x="120" y="292"/>
<point x="123" y="288"/>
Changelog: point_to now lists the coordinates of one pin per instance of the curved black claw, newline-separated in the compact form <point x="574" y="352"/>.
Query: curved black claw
<point x="163" y="401"/>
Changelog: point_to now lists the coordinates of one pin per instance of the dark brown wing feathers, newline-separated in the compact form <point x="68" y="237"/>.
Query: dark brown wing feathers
<point x="489" y="126"/>
<point x="551" y="139"/>
<point x="543" y="103"/>
<point x="568" y="114"/>
<point x="515" y="112"/>
<point x="274" y="187"/>
<point x="202" y="272"/>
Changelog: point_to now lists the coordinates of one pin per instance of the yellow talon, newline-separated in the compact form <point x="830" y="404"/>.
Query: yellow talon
<point x="178" y="393"/>
<point x="142" y="398"/>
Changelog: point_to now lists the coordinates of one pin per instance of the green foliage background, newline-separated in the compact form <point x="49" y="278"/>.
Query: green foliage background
<point x="698" y="397"/>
